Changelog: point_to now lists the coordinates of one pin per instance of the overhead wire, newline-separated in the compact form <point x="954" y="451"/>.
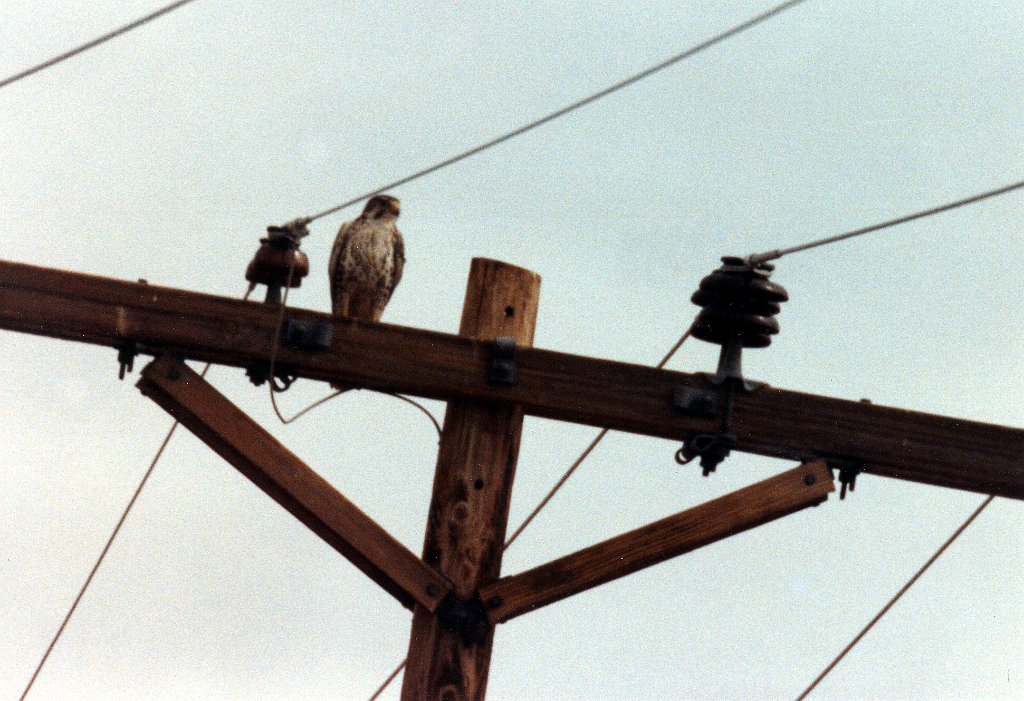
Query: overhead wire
<point x="894" y="599"/>
<point x="110" y="541"/>
<point x="572" y="107"/>
<point x="757" y="259"/>
<point x="59" y="58"/>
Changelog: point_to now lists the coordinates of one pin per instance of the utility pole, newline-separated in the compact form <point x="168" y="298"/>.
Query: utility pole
<point x="491" y="376"/>
<point x="450" y="650"/>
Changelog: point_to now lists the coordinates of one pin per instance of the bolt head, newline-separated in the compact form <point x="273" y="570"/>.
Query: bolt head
<point x="810" y="479"/>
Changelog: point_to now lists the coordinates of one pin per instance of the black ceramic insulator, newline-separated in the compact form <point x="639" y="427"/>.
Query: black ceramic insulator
<point x="738" y="302"/>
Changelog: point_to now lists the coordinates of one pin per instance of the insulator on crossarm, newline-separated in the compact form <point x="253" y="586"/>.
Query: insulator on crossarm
<point x="278" y="262"/>
<point x="738" y="302"/>
<point x="738" y="307"/>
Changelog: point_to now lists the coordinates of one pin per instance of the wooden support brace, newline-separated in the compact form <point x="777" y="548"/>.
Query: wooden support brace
<point x="807" y="485"/>
<point x="291" y="483"/>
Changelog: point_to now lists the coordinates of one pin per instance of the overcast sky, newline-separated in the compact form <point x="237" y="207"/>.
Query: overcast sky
<point x="165" y="153"/>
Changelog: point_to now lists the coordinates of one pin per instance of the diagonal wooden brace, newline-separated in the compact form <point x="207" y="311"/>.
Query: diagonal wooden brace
<point x="807" y="485"/>
<point x="291" y="483"/>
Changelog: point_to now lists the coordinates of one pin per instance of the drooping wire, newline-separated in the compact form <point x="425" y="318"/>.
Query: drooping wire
<point x="558" y="485"/>
<point x="93" y="43"/>
<point x="110" y="541"/>
<point x="275" y="389"/>
<point x="900" y="593"/>
<point x="636" y="77"/>
<point x="759" y="258"/>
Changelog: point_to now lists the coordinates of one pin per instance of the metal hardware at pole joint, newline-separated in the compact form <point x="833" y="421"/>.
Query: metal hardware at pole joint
<point x="467" y="618"/>
<point x="502" y="369"/>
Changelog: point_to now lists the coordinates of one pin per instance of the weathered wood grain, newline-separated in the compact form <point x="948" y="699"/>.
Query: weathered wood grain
<point x="688" y="530"/>
<point x="908" y="445"/>
<point x="291" y="483"/>
<point x="469" y="507"/>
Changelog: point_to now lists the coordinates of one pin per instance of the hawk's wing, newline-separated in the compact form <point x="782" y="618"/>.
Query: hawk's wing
<point x="399" y="247"/>
<point x="334" y="265"/>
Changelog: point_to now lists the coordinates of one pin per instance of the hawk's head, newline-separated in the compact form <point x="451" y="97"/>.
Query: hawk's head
<point x="380" y="206"/>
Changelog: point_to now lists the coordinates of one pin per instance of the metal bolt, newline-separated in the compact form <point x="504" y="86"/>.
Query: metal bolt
<point x="494" y="602"/>
<point x="431" y="590"/>
<point x="810" y="479"/>
<point x="173" y="374"/>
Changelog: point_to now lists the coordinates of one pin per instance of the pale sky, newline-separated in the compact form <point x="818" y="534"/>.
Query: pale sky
<point x="164" y="155"/>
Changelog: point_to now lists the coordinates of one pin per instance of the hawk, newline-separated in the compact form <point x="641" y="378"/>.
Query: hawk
<point x="366" y="261"/>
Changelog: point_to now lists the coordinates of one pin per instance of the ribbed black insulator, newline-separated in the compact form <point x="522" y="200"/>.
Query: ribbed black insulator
<point x="738" y="302"/>
<point x="273" y="261"/>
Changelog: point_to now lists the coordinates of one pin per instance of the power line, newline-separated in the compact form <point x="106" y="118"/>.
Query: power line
<point x="636" y="77"/>
<point x="780" y="252"/>
<point x="99" y="561"/>
<point x="110" y="541"/>
<point x="900" y="593"/>
<point x="103" y="554"/>
<point x="93" y="43"/>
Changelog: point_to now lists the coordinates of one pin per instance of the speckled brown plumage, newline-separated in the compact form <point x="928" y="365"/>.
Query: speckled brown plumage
<point x="367" y="260"/>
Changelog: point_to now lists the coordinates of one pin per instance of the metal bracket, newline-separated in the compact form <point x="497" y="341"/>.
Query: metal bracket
<point x="848" y="471"/>
<point x="258" y="372"/>
<point x="730" y="367"/>
<point x="695" y="401"/>
<point x="126" y="353"/>
<point x="467" y="618"/>
<point x="308" y="335"/>
<point x="502" y="370"/>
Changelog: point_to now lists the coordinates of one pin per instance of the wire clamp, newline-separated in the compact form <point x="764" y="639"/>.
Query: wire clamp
<point x="712" y="449"/>
<point x="502" y="369"/>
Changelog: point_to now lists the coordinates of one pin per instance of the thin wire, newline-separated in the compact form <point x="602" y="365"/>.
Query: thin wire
<point x="314" y="405"/>
<point x="93" y="43"/>
<point x="901" y="592"/>
<point x="273" y="359"/>
<point x="276" y="346"/>
<point x="779" y="253"/>
<point x="110" y="541"/>
<point x="419" y="406"/>
<point x="636" y="77"/>
<point x="586" y="452"/>
<point x="391" y="678"/>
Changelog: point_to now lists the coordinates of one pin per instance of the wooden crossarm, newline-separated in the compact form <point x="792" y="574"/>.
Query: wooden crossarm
<point x="512" y="596"/>
<point x="291" y="483"/>
<point x="908" y="445"/>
